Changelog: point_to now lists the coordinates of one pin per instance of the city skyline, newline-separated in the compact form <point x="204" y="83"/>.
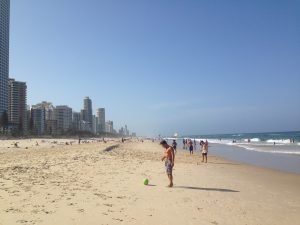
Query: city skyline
<point x="194" y="68"/>
<point x="19" y="119"/>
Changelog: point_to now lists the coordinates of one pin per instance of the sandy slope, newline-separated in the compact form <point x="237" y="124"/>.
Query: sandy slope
<point x="54" y="183"/>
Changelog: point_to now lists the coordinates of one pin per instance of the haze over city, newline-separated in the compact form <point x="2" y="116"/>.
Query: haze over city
<point x="193" y="67"/>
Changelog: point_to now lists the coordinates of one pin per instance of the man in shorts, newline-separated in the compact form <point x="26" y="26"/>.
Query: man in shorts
<point x="169" y="158"/>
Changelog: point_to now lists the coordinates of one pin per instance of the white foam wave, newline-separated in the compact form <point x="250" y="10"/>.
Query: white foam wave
<point x="252" y="140"/>
<point x="270" y="151"/>
<point x="282" y="141"/>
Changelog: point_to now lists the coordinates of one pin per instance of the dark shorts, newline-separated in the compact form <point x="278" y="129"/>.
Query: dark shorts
<point x="191" y="148"/>
<point x="204" y="154"/>
<point x="169" y="168"/>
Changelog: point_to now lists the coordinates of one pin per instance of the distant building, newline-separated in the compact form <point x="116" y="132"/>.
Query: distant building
<point x="51" y="127"/>
<point x="50" y="124"/>
<point x="88" y="110"/>
<point x="38" y="120"/>
<point x="63" y="116"/>
<point x="4" y="54"/>
<point x="76" y="121"/>
<point x="126" y="131"/>
<point x="17" y="107"/>
<point x="109" y="127"/>
<point x="94" y="126"/>
<point x="49" y="109"/>
<point x="85" y="126"/>
<point x="121" y="131"/>
<point x="100" y="120"/>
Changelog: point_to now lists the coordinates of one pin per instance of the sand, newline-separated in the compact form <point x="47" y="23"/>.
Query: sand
<point x="102" y="183"/>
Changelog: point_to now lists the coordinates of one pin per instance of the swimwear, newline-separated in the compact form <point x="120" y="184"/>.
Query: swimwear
<point x="191" y="148"/>
<point x="169" y="168"/>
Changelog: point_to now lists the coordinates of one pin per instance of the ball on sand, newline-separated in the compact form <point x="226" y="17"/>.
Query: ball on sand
<point x="146" y="181"/>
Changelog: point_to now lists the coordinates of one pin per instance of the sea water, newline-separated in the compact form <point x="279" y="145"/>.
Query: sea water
<point x="277" y="150"/>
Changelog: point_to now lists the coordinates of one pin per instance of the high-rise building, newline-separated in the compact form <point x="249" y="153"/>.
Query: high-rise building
<point x="4" y="54"/>
<point x="17" y="107"/>
<point x="126" y="131"/>
<point x="37" y="121"/>
<point x="100" y="120"/>
<point x="109" y="127"/>
<point x="87" y="103"/>
<point x="49" y="109"/>
<point x="63" y="116"/>
<point x="76" y="121"/>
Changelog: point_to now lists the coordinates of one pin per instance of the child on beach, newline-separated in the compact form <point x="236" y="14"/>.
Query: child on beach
<point x="169" y="158"/>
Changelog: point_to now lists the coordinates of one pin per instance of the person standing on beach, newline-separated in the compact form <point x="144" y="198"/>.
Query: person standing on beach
<point x="191" y="148"/>
<point x="169" y="158"/>
<point x="204" y="150"/>
<point x="183" y="142"/>
<point x="174" y="146"/>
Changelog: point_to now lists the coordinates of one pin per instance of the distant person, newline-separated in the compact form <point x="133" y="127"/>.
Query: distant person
<point x="169" y="158"/>
<point x="174" y="146"/>
<point x="204" y="151"/>
<point x="191" y="147"/>
<point x="183" y="142"/>
<point x="195" y="143"/>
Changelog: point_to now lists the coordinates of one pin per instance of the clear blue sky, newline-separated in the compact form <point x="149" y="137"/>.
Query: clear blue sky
<point x="193" y="67"/>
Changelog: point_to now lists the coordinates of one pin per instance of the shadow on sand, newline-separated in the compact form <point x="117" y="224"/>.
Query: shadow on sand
<point x="207" y="189"/>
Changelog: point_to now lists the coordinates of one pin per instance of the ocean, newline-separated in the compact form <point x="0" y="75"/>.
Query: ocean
<point x="276" y="150"/>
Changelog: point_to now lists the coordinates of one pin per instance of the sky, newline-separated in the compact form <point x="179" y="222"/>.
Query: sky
<point x="192" y="67"/>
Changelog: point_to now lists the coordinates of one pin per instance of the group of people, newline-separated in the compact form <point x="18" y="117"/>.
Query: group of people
<point x="170" y="151"/>
<point x="191" y="145"/>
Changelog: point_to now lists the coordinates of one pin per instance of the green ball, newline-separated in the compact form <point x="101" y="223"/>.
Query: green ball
<point x="146" y="181"/>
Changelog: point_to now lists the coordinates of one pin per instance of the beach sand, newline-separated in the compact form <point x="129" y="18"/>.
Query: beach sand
<point x="102" y="183"/>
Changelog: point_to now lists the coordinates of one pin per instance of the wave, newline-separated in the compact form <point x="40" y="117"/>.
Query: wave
<point x="252" y="140"/>
<point x="290" y="152"/>
<point x="282" y="141"/>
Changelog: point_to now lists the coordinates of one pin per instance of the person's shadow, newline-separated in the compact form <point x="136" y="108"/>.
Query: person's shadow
<point x="207" y="189"/>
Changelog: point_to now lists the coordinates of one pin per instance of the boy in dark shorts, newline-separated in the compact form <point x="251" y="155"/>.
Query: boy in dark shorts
<point x="169" y="158"/>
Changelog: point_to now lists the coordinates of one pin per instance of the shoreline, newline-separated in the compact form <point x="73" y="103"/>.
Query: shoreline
<point x="277" y="161"/>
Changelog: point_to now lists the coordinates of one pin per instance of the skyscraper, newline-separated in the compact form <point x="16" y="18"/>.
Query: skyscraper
<point x="100" y="118"/>
<point x="88" y="112"/>
<point x="63" y="116"/>
<point x="87" y="103"/>
<point x="37" y="123"/>
<point x="4" y="54"/>
<point x="17" y="106"/>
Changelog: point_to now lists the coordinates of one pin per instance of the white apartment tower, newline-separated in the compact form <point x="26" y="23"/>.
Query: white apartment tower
<point x="100" y="120"/>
